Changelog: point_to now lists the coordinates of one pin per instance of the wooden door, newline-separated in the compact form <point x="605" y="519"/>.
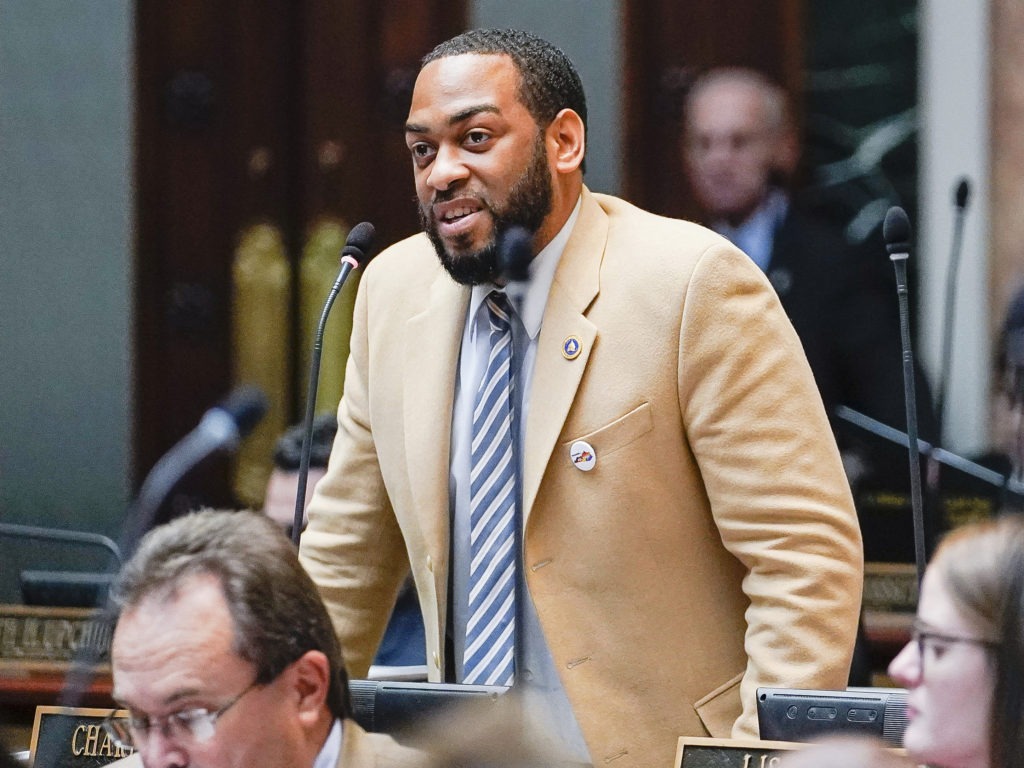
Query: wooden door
<point x="254" y="111"/>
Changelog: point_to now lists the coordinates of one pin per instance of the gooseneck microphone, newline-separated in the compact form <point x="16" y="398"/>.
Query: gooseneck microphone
<point x="896" y="232"/>
<point x="960" y="199"/>
<point x="515" y="251"/>
<point x="221" y="428"/>
<point x="356" y="252"/>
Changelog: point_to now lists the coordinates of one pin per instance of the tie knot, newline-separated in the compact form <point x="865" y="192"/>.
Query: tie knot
<point x="499" y="311"/>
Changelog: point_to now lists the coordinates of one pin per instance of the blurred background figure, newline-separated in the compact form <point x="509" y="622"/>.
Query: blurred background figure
<point x="7" y="758"/>
<point x="964" y="667"/>
<point x="279" y="504"/>
<point x="483" y="733"/>
<point x="741" y="151"/>
<point x="1007" y="455"/>
<point x="845" y="752"/>
<point x="403" y="644"/>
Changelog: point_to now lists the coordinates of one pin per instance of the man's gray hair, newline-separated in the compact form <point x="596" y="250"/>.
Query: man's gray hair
<point x="275" y="607"/>
<point x="777" y="108"/>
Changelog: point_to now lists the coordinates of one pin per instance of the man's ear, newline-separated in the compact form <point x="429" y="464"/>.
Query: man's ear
<point x="311" y="681"/>
<point x="568" y="137"/>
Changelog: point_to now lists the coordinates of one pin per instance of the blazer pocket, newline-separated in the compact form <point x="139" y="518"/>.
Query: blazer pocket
<point x="623" y="431"/>
<point x="720" y="709"/>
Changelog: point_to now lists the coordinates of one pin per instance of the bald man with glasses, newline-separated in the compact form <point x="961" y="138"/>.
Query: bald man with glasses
<point x="224" y="656"/>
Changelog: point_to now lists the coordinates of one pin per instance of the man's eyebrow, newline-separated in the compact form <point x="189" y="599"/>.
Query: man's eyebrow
<point x="458" y="117"/>
<point x="168" y="701"/>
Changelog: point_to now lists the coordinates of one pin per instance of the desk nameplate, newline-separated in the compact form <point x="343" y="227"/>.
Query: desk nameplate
<point x="72" y="737"/>
<point x="48" y="639"/>
<point x="701" y="752"/>
<point x="890" y="587"/>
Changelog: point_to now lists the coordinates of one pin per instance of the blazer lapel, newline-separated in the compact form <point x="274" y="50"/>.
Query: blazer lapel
<point x="555" y="378"/>
<point x="433" y="339"/>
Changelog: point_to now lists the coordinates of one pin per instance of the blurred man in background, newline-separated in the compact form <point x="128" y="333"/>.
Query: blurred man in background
<point x="740" y="150"/>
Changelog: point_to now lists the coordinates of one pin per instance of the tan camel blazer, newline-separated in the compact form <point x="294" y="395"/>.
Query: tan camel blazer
<point x="713" y="548"/>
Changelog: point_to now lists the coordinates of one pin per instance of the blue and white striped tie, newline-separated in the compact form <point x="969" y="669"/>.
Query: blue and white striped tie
<point x="490" y="632"/>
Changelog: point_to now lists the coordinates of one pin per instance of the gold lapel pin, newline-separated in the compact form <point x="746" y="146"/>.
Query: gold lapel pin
<point x="571" y="348"/>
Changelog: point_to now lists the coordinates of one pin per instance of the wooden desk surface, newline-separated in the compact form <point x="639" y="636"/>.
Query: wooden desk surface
<point x="31" y="687"/>
<point x="21" y="691"/>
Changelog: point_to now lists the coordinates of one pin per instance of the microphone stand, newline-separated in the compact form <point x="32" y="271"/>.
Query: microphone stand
<point x="896" y="230"/>
<point x="514" y="256"/>
<point x="933" y="472"/>
<point x="314" y="383"/>
<point x="357" y="245"/>
<point x="221" y="428"/>
<point x="1010" y="486"/>
<point x="960" y="208"/>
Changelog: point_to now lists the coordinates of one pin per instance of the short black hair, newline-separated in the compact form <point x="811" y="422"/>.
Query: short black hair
<point x="548" y="81"/>
<point x="288" y="448"/>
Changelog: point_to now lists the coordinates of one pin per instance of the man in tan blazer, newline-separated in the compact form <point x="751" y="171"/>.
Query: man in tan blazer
<point x="224" y="655"/>
<point x="710" y="547"/>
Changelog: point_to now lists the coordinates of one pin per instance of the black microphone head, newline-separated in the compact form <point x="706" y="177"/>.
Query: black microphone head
<point x="896" y="230"/>
<point x="963" y="192"/>
<point x="245" y="406"/>
<point x="359" y="243"/>
<point x="515" y="251"/>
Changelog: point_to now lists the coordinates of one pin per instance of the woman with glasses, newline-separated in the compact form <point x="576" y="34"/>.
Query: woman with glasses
<point x="964" y="667"/>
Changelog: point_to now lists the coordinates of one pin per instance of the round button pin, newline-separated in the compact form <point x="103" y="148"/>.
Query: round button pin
<point x="582" y="455"/>
<point x="571" y="348"/>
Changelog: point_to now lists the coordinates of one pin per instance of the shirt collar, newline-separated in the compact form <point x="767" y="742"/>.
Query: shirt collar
<point x="330" y="752"/>
<point x="542" y="273"/>
<point x="754" y="236"/>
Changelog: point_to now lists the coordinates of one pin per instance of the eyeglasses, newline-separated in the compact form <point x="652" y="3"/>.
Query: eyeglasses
<point x="925" y="638"/>
<point x="189" y="726"/>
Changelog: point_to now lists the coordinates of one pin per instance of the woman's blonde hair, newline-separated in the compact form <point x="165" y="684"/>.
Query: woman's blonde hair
<point x="982" y="567"/>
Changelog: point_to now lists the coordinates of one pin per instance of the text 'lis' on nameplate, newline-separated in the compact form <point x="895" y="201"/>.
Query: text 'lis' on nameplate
<point x="699" y="752"/>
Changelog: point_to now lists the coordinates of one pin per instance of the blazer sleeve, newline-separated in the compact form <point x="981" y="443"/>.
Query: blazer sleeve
<point x="353" y="547"/>
<point x="773" y="476"/>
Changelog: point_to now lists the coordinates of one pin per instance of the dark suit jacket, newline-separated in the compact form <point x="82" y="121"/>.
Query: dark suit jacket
<point x="843" y="304"/>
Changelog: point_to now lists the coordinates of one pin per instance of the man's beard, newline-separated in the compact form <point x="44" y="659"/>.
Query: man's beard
<point x="529" y="203"/>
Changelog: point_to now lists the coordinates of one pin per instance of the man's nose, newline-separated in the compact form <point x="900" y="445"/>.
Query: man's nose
<point x="719" y="150"/>
<point x="160" y="751"/>
<point x="447" y="168"/>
